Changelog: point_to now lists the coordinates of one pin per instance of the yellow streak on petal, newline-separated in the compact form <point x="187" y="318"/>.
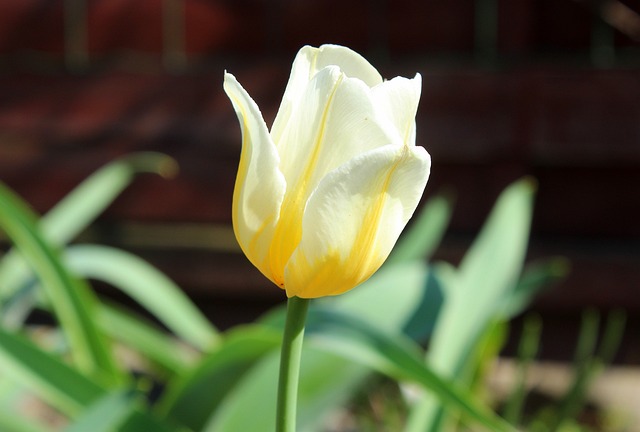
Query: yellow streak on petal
<point x="288" y="232"/>
<point x="335" y="273"/>
<point x="243" y="168"/>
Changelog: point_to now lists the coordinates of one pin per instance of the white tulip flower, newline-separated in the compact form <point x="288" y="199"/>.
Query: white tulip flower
<point x="321" y="199"/>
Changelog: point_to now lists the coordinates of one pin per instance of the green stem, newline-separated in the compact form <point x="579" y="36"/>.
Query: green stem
<point x="290" y="364"/>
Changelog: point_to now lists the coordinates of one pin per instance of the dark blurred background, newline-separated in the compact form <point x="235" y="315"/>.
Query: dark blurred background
<point x="547" y="88"/>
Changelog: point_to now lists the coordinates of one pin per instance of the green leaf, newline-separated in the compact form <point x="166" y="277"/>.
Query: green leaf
<point x="107" y="413"/>
<point x="324" y="384"/>
<point x="426" y="231"/>
<point x="67" y="390"/>
<point x="143" y="421"/>
<point x="536" y="277"/>
<point x="192" y="399"/>
<point x="121" y="411"/>
<point x="395" y="356"/>
<point x="45" y="375"/>
<point x="527" y="351"/>
<point x="487" y="273"/>
<point x="91" y="197"/>
<point x="475" y="293"/>
<point x="148" y="286"/>
<point x="81" y="206"/>
<point x="482" y="360"/>
<point x="18" y="306"/>
<point x="612" y="337"/>
<point x="329" y="382"/>
<point x="72" y="300"/>
<point x="257" y="388"/>
<point x="137" y="334"/>
<point x="589" y="362"/>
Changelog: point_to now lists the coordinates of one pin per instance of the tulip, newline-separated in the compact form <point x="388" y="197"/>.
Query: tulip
<point x="322" y="197"/>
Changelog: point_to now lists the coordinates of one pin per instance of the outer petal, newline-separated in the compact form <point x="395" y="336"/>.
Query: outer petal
<point x="260" y="186"/>
<point x="354" y="218"/>
<point x="398" y="101"/>
<point x="337" y="122"/>
<point x="308" y="62"/>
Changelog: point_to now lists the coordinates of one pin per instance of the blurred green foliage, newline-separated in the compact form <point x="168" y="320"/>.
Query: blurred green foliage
<point x="226" y="381"/>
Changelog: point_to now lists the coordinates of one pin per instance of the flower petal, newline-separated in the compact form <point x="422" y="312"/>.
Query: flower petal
<point x="398" y="101"/>
<point x="260" y="186"/>
<point x="308" y="62"/>
<point x="336" y="122"/>
<point x="354" y="218"/>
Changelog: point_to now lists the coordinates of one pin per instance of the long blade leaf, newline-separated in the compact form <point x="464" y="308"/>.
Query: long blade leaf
<point x="106" y="414"/>
<point x="156" y="346"/>
<point x="118" y="411"/>
<point x="191" y="400"/>
<point x="149" y="287"/>
<point x="475" y="293"/>
<point x="535" y="277"/>
<point x="81" y="207"/>
<point x="91" y="197"/>
<point x="45" y="375"/>
<point x="395" y="356"/>
<point x="72" y="300"/>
